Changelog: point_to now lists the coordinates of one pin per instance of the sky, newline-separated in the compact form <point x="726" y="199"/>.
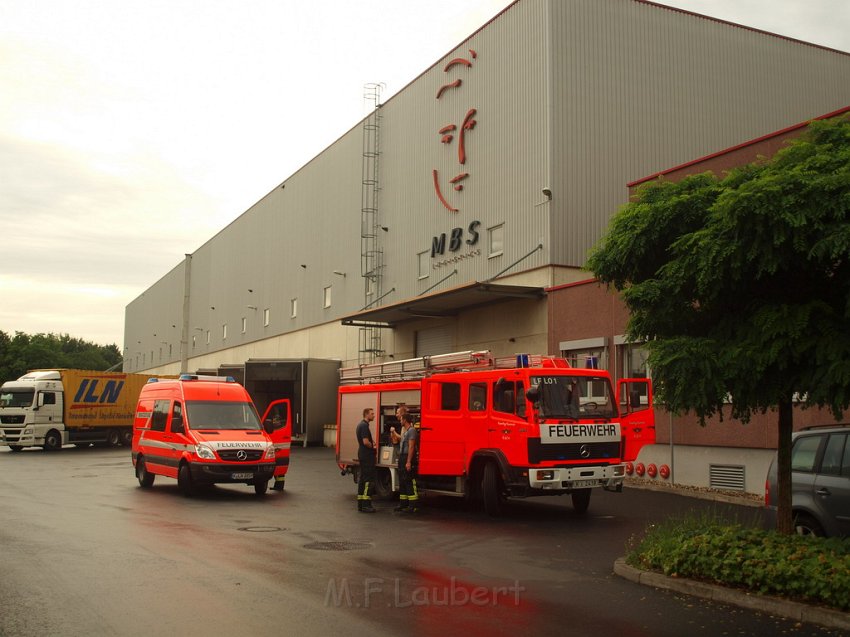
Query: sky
<point x="132" y="131"/>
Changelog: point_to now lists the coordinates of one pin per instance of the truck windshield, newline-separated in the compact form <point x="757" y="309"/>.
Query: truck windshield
<point x="16" y="398"/>
<point x="574" y="396"/>
<point x="216" y="414"/>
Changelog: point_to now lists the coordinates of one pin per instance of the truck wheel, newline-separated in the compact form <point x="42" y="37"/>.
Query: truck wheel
<point x="113" y="438"/>
<point x="581" y="500"/>
<point x="127" y="437"/>
<point x="383" y="484"/>
<point x="145" y="479"/>
<point x="491" y="490"/>
<point x="16" y="447"/>
<point x="53" y="441"/>
<point x="261" y="486"/>
<point x="184" y="480"/>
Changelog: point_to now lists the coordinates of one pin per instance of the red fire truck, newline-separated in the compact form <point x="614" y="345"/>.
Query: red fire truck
<point x="492" y="428"/>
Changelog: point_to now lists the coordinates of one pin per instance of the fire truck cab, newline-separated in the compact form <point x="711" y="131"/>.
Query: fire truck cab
<point x="492" y="428"/>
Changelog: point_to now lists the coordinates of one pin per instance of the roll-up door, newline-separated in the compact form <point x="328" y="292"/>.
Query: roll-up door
<point x="435" y="340"/>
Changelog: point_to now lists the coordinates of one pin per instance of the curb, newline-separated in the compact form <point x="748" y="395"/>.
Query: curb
<point x="797" y="611"/>
<point x="743" y="499"/>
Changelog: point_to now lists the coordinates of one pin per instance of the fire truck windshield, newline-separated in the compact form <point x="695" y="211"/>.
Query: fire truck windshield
<point x="215" y="414"/>
<point x="574" y="396"/>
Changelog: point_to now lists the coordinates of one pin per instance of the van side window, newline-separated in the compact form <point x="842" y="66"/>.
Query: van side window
<point x="177" y="419"/>
<point x="450" y="396"/>
<point x="477" y="396"/>
<point x="804" y="453"/>
<point x="160" y="415"/>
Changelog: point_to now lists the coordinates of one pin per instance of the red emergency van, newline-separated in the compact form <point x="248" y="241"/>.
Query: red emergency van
<point x="201" y="430"/>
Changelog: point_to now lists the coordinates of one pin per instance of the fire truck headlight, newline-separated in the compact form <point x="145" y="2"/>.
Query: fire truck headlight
<point x="269" y="455"/>
<point x="548" y="474"/>
<point x="619" y="470"/>
<point x="204" y="452"/>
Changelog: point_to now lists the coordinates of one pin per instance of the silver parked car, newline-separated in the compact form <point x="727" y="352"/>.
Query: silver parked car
<point x="820" y="481"/>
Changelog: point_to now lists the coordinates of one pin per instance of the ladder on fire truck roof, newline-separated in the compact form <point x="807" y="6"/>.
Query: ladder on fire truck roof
<point x="421" y="366"/>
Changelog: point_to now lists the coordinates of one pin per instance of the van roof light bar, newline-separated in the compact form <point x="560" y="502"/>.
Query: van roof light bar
<point x="203" y="377"/>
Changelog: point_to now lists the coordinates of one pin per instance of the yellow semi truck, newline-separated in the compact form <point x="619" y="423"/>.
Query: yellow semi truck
<point x="53" y="407"/>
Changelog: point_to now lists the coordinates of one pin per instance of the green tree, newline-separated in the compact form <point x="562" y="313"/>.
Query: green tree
<point x="24" y="352"/>
<point x="741" y="286"/>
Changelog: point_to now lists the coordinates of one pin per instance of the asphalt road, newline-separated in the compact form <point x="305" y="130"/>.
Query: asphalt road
<point x="85" y="551"/>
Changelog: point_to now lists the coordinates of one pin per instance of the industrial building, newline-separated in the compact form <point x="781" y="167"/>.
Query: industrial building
<point x="458" y="214"/>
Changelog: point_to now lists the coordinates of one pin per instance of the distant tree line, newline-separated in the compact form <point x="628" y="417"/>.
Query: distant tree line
<point x="23" y="352"/>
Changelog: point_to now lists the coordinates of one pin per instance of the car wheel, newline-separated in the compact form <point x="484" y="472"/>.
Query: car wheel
<point x="806" y="525"/>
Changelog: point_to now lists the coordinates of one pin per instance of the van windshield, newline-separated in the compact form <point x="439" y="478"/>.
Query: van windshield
<point x="16" y="398"/>
<point x="217" y="414"/>
<point x="574" y="396"/>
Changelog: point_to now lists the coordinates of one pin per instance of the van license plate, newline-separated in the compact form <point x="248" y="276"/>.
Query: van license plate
<point x="241" y="476"/>
<point x="584" y="484"/>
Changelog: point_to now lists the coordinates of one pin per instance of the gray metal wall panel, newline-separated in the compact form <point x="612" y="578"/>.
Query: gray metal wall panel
<point x="642" y="88"/>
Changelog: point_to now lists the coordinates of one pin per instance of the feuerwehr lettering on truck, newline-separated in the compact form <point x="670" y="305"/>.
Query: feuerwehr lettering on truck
<point x="556" y="433"/>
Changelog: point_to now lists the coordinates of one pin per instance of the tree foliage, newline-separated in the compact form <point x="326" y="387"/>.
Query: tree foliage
<point x="741" y="286"/>
<point x="23" y="352"/>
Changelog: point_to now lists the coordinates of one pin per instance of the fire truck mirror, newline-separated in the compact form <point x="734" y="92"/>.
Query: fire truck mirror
<point x="533" y="394"/>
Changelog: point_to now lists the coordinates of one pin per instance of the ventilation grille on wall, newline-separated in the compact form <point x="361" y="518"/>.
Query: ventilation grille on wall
<point x="730" y="477"/>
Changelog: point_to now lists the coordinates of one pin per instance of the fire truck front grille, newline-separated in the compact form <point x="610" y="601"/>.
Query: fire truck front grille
<point x="538" y="452"/>
<point x="233" y="455"/>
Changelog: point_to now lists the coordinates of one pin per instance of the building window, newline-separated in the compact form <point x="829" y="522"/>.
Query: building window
<point x="589" y="353"/>
<point x="327" y="301"/>
<point x="424" y="264"/>
<point x="631" y="359"/>
<point x="224" y="332"/>
<point x="266" y="317"/>
<point x="496" y="237"/>
<point x="244" y="324"/>
<point x="293" y="308"/>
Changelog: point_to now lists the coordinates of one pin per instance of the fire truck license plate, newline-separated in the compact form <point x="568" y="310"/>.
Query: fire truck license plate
<point x="241" y="476"/>
<point x="583" y="484"/>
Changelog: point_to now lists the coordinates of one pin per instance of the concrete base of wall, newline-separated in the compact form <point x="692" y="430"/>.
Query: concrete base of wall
<point x="691" y="465"/>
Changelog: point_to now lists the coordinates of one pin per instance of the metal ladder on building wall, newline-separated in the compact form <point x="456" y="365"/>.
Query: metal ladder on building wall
<point x="371" y="254"/>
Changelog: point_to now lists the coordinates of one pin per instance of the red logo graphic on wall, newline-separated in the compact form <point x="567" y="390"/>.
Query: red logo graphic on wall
<point x="449" y="131"/>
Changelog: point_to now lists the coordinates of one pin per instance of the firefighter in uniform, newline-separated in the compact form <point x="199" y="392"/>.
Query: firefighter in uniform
<point x="408" y="491"/>
<point x="366" y="457"/>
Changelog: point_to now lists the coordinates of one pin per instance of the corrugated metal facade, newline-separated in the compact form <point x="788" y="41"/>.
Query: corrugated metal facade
<point x="576" y="96"/>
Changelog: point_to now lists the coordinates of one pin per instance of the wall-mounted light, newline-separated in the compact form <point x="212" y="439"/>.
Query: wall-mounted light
<point x="212" y="307"/>
<point x="199" y="329"/>
<point x="304" y="265"/>
<point x="342" y="274"/>
<point x="251" y="307"/>
<point x="250" y="290"/>
<point x="385" y="229"/>
<point x="547" y="192"/>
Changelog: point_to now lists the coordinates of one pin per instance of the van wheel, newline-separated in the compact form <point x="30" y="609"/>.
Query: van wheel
<point x="145" y="479"/>
<point x="491" y="490"/>
<point x="261" y="486"/>
<point x="113" y="438"/>
<point x="184" y="480"/>
<point x="53" y="441"/>
<point x="807" y="525"/>
<point x="581" y="500"/>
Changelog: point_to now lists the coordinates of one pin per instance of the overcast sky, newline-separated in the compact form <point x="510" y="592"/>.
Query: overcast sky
<point x="131" y="131"/>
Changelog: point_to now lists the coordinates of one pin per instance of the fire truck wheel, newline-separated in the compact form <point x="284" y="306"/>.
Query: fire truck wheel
<point x="383" y="484"/>
<point x="491" y="490"/>
<point x="113" y="438"/>
<point x="53" y="441"/>
<point x="581" y="500"/>
<point x="261" y="486"/>
<point x="16" y="447"/>
<point x="145" y="479"/>
<point x="184" y="480"/>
